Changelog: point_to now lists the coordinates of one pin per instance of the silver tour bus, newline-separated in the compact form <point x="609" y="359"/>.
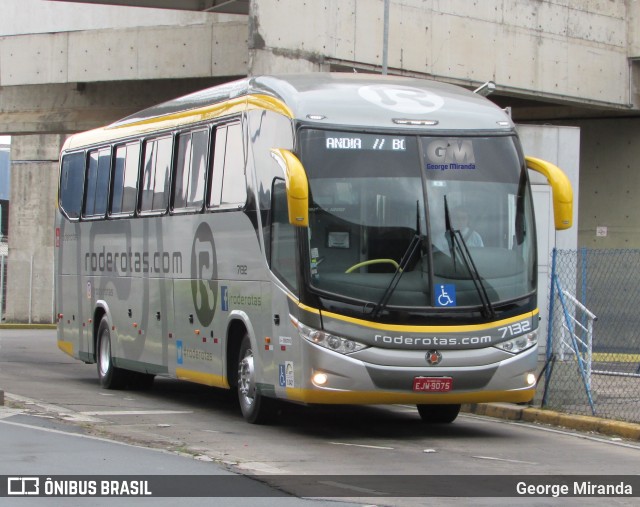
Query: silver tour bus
<point x="320" y="238"/>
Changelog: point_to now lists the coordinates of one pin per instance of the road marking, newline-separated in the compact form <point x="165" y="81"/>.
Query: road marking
<point x="88" y="416"/>
<point x="259" y="467"/>
<point x="383" y="448"/>
<point x="538" y="427"/>
<point x="81" y="435"/>
<point x="350" y="487"/>
<point x="134" y="412"/>
<point x="9" y="412"/>
<point x="63" y="413"/>
<point x="505" y="460"/>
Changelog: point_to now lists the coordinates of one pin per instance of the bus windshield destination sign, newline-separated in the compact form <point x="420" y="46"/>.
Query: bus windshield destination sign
<point x="340" y="141"/>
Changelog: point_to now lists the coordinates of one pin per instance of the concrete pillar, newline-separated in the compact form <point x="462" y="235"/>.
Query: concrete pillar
<point x="34" y="174"/>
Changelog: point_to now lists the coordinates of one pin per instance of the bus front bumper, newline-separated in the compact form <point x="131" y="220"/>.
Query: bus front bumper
<point x="351" y="381"/>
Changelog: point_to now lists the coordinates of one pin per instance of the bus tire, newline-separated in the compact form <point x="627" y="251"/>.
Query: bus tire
<point x="110" y="377"/>
<point x="141" y="381"/>
<point x="438" y="414"/>
<point x="256" y="409"/>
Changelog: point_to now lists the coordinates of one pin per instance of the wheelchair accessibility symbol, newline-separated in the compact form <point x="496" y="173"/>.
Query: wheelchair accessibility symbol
<point x="446" y="295"/>
<point x="285" y="374"/>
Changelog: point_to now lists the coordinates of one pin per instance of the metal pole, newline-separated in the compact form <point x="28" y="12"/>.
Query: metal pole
<point x="53" y="294"/>
<point x="30" y="287"/>
<point x="549" y="352"/>
<point x="385" y="38"/>
<point x="1" y="285"/>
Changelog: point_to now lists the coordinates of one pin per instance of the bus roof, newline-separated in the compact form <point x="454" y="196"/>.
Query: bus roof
<point x="336" y="99"/>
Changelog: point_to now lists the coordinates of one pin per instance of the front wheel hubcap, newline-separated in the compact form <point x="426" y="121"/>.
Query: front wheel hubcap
<point x="246" y="378"/>
<point x="104" y="355"/>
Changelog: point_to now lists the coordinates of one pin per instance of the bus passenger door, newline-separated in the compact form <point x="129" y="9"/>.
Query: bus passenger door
<point x="283" y="262"/>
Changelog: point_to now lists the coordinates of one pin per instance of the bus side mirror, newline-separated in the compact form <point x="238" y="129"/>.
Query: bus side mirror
<point x="561" y="189"/>
<point x="297" y="186"/>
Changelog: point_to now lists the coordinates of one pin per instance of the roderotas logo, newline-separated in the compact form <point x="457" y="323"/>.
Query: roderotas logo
<point x="204" y="274"/>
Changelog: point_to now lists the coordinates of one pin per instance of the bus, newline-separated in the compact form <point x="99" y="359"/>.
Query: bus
<point x="319" y="239"/>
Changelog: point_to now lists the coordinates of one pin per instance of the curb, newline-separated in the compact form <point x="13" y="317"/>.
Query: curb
<point x="27" y="326"/>
<point x="512" y="412"/>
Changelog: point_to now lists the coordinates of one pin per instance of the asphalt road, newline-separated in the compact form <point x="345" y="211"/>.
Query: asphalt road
<point x="37" y="450"/>
<point x="319" y="441"/>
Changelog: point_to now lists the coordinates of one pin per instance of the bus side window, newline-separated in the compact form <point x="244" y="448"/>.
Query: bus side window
<point x="220" y="145"/>
<point x="234" y="186"/>
<point x="97" y="190"/>
<point x="155" y="174"/>
<point x="190" y="170"/>
<point x="228" y="183"/>
<point x="283" y="237"/>
<point x="71" y="183"/>
<point x="125" y="178"/>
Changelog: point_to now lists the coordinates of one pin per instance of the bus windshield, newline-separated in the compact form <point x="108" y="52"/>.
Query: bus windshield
<point x="409" y="221"/>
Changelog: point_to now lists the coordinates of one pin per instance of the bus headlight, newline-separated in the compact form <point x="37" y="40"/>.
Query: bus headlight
<point x="327" y="340"/>
<point x="519" y="344"/>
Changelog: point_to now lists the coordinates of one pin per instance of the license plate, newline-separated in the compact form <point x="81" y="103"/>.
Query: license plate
<point x="433" y="384"/>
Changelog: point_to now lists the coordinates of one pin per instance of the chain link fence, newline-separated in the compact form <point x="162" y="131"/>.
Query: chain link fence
<point x="26" y="287"/>
<point x="593" y="339"/>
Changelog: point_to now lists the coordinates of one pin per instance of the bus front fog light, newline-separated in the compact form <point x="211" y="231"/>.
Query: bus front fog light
<point x="319" y="378"/>
<point x="531" y="379"/>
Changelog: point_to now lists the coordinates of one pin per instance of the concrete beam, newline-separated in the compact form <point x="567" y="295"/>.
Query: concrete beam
<point x="66" y="108"/>
<point x="224" y="6"/>
<point x="162" y="52"/>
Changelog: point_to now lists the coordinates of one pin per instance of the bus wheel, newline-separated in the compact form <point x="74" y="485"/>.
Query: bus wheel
<point x="256" y="409"/>
<point x="438" y="414"/>
<point x="141" y="381"/>
<point x="110" y="376"/>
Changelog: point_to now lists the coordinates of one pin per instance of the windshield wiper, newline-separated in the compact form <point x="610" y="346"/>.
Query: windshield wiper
<point x="450" y="233"/>
<point x="457" y="240"/>
<point x="402" y="266"/>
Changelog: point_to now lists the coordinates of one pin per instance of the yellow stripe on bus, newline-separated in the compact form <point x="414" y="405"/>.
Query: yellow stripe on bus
<point x="414" y="329"/>
<point x="386" y="397"/>
<point x="66" y="347"/>
<point x="429" y="329"/>
<point x="198" y="377"/>
<point x="181" y="118"/>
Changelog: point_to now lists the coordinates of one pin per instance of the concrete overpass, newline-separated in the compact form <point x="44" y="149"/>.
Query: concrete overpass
<point x="226" y="6"/>
<point x="71" y="65"/>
